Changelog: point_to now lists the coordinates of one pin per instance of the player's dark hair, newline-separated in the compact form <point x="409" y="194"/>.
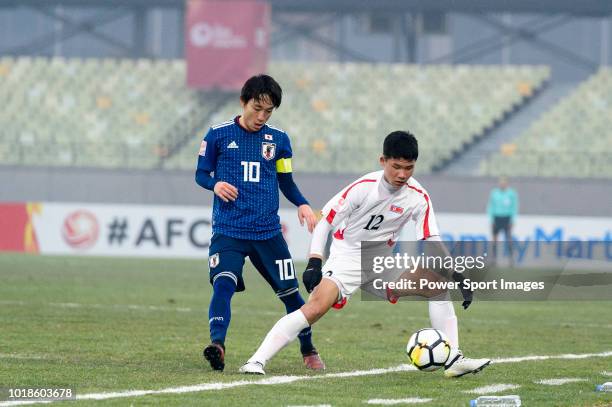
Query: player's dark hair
<point x="401" y="145"/>
<point x="260" y="86"/>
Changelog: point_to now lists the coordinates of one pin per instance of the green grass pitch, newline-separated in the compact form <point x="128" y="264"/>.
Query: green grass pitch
<point x="103" y="325"/>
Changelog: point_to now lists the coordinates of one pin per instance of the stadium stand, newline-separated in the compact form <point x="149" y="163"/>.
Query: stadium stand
<point x="140" y="114"/>
<point x="93" y="112"/>
<point x="339" y="113"/>
<point x="572" y="139"/>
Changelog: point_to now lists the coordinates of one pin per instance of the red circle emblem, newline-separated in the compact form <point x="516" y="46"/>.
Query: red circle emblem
<point x="80" y="229"/>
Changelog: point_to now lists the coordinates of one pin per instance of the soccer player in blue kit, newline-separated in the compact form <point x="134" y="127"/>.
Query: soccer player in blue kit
<point x="244" y="162"/>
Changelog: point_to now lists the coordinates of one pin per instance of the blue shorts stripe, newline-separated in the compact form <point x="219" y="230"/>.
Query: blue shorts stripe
<point x="287" y="292"/>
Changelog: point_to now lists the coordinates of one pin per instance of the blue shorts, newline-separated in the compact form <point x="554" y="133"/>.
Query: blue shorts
<point x="270" y="257"/>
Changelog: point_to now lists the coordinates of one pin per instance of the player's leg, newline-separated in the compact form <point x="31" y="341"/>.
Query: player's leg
<point x="288" y="327"/>
<point x="273" y="261"/>
<point x="443" y="318"/>
<point x="441" y="310"/>
<point x="495" y="232"/>
<point x="226" y="259"/>
<point x="509" y="243"/>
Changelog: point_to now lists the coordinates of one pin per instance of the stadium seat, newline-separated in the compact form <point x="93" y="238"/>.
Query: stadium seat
<point x="573" y="139"/>
<point x="113" y="112"/>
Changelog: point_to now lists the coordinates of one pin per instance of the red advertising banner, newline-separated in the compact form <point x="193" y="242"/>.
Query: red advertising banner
<point x="226" y="42"/>
<point x="17" y="232"/>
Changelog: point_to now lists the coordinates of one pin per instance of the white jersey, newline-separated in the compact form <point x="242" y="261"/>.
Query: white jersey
<point x="370" y="210"/>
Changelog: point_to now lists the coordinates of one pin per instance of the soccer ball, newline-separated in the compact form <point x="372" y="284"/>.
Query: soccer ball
<point x="428" y="349"/>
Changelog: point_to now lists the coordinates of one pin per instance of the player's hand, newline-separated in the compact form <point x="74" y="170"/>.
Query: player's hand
<point x="468" y="294"/>
<point x="227" y="192"/>
<point x="312" y="275"/>
<point x="305" y="213"/>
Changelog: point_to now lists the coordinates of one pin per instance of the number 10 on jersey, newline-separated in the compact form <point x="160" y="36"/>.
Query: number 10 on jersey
<point x="285" y="269"/>
<point x="250" y="170"/>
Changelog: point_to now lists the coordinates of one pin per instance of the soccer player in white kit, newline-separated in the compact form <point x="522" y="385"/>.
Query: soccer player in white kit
<point x="373" y="208"/>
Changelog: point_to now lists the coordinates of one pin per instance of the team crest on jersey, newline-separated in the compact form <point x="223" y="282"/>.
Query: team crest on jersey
<point x="268" y="136"/>
<point x="213" y="261"/>
<point x="396" y="209"/>
<point x="268" y="150"/>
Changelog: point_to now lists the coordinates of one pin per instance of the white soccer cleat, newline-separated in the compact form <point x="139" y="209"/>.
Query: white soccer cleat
<point x="460" y="365"/>
<point x="252" y="368"/>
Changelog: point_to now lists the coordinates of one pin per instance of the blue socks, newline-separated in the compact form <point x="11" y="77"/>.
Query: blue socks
<point x="219" y="311"/>
<point x="294" y="302"/>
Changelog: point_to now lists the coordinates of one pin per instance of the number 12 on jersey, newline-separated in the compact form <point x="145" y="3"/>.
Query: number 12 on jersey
<point x="250" y="170"/>
<point x="374" y="222"/>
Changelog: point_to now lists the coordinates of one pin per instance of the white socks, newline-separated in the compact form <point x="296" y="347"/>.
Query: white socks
<point x="442" y="317"/>
<point x="282" y="333"/>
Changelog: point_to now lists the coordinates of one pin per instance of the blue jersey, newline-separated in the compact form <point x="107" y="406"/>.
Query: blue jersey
<point x="249" y="161"/>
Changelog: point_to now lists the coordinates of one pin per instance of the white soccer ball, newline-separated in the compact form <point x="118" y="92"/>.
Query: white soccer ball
<point x="428" y="349"/>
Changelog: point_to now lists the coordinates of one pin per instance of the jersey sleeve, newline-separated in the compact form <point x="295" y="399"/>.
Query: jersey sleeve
<point x="344" y="203"/>
<point x="320" y="235"/>
<point x="207" y="157"/>
<point x="425" y="220"/>
<point x="283" y="162"/>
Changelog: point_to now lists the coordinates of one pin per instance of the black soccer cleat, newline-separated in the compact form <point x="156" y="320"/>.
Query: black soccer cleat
<point x="215" y="354"/>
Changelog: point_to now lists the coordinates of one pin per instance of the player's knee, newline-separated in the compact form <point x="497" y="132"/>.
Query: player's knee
<point x="314" y="310"/>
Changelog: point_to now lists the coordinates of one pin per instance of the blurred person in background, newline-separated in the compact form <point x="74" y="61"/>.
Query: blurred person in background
<point x="502" y="209"/>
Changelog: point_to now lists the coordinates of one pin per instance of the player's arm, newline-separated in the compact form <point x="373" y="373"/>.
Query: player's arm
<point x="286" y="183"/>
<point x="207" y="164"/>
<point x="312" y="275"/>
<point x="290" y="190"/>
<point x="334" y="212"/>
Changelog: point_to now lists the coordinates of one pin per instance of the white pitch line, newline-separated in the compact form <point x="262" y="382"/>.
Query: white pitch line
<point x="21" y="356"/>
<point x="559" y="381"/>
<point x="290" y="379"/>
<point x="566" y="356"/>
<point x="136" y="307"/>
<point x="605" y="373"/>
<point x="101" y="306"/>
<point x="391" y="402"/>
<point x="493" y="388"/>
<point x="316" y="405"/>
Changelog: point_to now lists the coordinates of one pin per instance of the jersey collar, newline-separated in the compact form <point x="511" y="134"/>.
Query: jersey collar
<point x="237" y="121"/>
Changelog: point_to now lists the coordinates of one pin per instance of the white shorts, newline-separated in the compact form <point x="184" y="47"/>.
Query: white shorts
<point x="347" y="274"/>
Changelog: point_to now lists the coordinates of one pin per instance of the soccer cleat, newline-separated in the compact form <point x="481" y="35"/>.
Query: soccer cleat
<point x="313" y="361"/>
<point x="215" y="354"/>
<point x="460" y="365"/>
<point x="252" y="368"/>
